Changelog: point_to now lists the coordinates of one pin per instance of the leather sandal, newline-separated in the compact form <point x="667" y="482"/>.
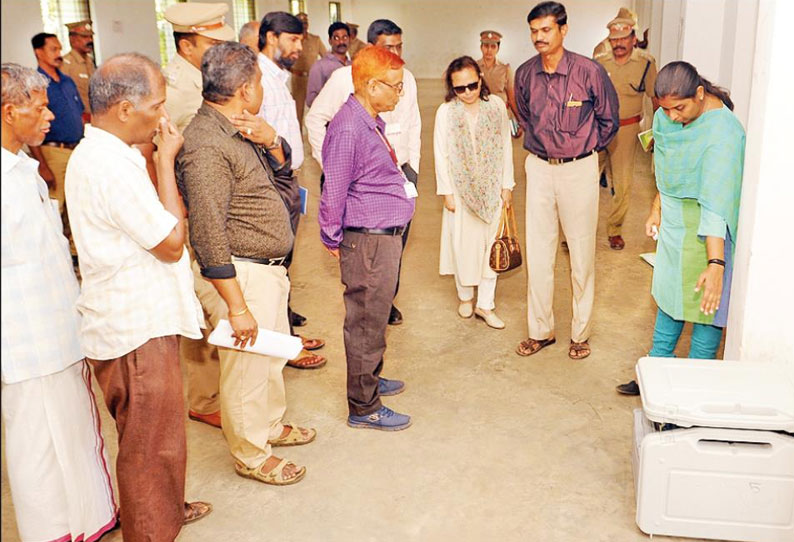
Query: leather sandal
<point x="213" y="419"/>
<point x="295" y="437"/>
<point x="312" y="344"/>
<point x="533" y="346"/>
<point x="196" y="510"/>
<point x="578" y="350"/>
<point x="272" y="477"/>
<point x="309" y="361"/>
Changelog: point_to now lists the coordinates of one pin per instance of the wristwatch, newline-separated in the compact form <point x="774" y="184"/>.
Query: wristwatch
<point x="276" y="143"/>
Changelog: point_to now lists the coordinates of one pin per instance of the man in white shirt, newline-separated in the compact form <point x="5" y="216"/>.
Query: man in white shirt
<point x="403" y="125"/>
<point x="57" y="464"/>
<point x="280" y="45"/>
<point x="137" y="293"/>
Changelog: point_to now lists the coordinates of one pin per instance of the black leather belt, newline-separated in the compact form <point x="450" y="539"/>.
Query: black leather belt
<point x="558" y="161"/>
<point x="60" y="145"/>
<point x="263" y="261"/>
<point x="397" y="230"/>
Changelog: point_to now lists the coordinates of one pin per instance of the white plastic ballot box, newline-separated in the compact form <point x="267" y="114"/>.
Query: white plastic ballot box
<point x="713" y="449"/>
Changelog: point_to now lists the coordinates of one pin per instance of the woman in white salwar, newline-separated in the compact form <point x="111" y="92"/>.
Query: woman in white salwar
<point x="474" y="173"/>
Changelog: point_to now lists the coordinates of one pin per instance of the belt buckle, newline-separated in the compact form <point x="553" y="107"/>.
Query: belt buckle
<point x="555" y="161"/>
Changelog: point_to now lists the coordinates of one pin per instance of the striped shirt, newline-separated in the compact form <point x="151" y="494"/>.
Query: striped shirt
<point x="278" y="107"/>
<point x="40" y="321"/>
<point x="129" y="296"/>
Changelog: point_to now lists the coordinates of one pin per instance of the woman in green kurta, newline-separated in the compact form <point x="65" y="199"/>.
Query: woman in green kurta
<point x="699" y="157"/>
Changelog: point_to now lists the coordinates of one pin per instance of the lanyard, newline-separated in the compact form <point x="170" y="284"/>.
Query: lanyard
<point x="388" y="146"/>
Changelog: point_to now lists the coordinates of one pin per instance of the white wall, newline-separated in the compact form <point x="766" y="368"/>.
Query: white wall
<point x="761" y="318"/>
<point x="436" y="32"/>
<point x="124" y="26"/>
<point x="21" y="20"/>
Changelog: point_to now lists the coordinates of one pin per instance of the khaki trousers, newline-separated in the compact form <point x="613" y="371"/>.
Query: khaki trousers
<point x="203" y="372"/>
<point x="568" y="194"/>
<point x="57" y="159"/>
<point x="621" y="152"/>
<point x="253" y="397"/>
<point x="299" y="87"/>
<point x="143" y="393"/>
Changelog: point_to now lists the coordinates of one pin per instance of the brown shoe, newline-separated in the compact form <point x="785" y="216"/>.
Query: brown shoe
<point x="616" y="242"/>
<point x="213" y="419"/>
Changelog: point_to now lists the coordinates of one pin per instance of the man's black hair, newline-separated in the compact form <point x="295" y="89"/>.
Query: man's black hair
<point x="382" y="27"/>
<point x="337" y="26"/>
<point x="544" y="9"/>
<point x="40" y="39"/>
<point x="278" y="22"/>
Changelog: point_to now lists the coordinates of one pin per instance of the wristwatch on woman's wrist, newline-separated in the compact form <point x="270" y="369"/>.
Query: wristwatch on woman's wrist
<point x="276" y="143"/>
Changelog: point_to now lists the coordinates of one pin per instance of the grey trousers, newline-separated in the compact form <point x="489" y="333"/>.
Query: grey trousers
<point x="370" y="265"/>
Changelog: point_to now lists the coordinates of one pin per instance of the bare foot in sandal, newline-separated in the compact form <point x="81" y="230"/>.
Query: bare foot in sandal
<point x="194" y="511"/>
<point x="533" y="346"/>
<point x="274" y="471"/>
<point x="578" y="350"/>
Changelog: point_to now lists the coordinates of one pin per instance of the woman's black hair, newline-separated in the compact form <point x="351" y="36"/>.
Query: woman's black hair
<point x="681" y="79"/>
<point x="459" y="64"/>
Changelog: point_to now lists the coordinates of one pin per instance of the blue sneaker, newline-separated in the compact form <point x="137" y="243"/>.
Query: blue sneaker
<point x="384" y="419"/>
<point x="390" y="387"/>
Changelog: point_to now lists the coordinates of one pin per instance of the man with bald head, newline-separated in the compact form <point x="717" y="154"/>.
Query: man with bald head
<point x="249" y="35"/>
<point x="137" y="293"/>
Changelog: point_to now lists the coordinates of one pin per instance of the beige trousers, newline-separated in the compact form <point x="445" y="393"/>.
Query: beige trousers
<point x="253" y="397"/>
<point x="568" y="194"/>
<point x="57" y="160"/>
<point x="621" y="152"/>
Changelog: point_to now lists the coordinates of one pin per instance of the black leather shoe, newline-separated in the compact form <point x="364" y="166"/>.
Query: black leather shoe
<point x="395" y="317"/>
<point x="603" y="180"/>
<point x="629" y="388"/>
<point x="298" y="320"/>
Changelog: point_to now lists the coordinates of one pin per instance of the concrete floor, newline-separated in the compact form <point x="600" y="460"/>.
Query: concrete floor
<point x="501" y="448"/>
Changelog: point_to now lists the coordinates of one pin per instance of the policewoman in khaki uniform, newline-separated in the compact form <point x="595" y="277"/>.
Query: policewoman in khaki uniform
<point x="633" y="74"/>
<point x="313" y="50"/>
<point x="197" y="27"/>
<point x="79" y="62"/>
<point x="498" y="75"/>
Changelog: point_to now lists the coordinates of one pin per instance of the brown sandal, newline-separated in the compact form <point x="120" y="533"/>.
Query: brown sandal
<point x="194" y="511"/>
<point x="309" y="361"/>
<point x="533" y="346"/>
<point x="578" y="350"/>
<point x="312" y="344"/>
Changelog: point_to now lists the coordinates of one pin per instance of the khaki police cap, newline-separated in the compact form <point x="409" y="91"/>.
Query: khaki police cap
<point x="490" y="36"/>
<point x="622" y="25"/>
<point x="81" y="28"/>
<point x="199" y="18"/>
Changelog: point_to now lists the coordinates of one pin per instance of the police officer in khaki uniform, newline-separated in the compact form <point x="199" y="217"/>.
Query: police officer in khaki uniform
<point x="498" y="75"/>
<point x="355" y="44"/>
<point x="633" y="73"/>
<point x="313" y="50"/>
<point x="603" y="45"/>
<point x="197" y="27"/>
<point x="79" y="62"/>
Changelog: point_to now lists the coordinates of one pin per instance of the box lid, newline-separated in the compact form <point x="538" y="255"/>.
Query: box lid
<point x="713" y="393"/>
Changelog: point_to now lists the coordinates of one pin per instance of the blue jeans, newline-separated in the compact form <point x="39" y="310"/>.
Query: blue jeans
<point x="667" y="331"/>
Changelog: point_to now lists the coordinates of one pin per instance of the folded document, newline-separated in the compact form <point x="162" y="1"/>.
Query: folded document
<point x="268" y="343"/>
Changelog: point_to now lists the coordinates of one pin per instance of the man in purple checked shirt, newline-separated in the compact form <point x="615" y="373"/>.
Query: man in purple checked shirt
<point x="338" y="39"/>
<point x="569" y="110"/>
<point x="366" y="203"/>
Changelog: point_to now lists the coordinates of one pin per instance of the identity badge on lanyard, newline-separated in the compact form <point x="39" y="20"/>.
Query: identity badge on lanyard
<point x="408" y="186"/>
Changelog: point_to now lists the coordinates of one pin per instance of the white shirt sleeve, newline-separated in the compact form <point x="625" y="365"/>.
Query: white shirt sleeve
<point x="413" y="121"/>
<point x="443" y="180"/>
<point x="334" y="94"/>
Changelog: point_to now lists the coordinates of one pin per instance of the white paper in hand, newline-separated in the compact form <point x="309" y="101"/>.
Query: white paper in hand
<point x="268" y="343"/>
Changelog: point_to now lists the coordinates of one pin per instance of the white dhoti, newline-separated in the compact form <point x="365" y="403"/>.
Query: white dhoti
<point x="57" y="464"/>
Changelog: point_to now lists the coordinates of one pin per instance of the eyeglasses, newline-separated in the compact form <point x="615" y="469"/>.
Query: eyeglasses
<point x="398" y="87"/>
<point x="460" y="89"/>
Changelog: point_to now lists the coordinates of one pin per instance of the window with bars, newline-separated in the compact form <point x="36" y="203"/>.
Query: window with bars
<point x="244" y="11"/>
<point x="334" y="12"/>
<point x="297" y="6"/>
<point x="55" y="14"/>
<point x="164" y="30"/>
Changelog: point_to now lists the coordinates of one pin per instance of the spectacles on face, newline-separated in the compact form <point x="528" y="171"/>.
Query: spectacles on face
<point x="460" y="89"/>
<point x="398" y="88"/>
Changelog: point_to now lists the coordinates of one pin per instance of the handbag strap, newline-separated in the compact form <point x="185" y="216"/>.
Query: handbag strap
<point x="512" y="221"/>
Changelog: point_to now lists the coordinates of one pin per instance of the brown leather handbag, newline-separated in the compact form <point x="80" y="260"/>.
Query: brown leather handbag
<point x="505" y="251"/>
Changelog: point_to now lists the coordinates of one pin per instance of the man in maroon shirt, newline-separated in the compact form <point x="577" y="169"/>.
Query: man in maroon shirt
<point x="569" y="110"/>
